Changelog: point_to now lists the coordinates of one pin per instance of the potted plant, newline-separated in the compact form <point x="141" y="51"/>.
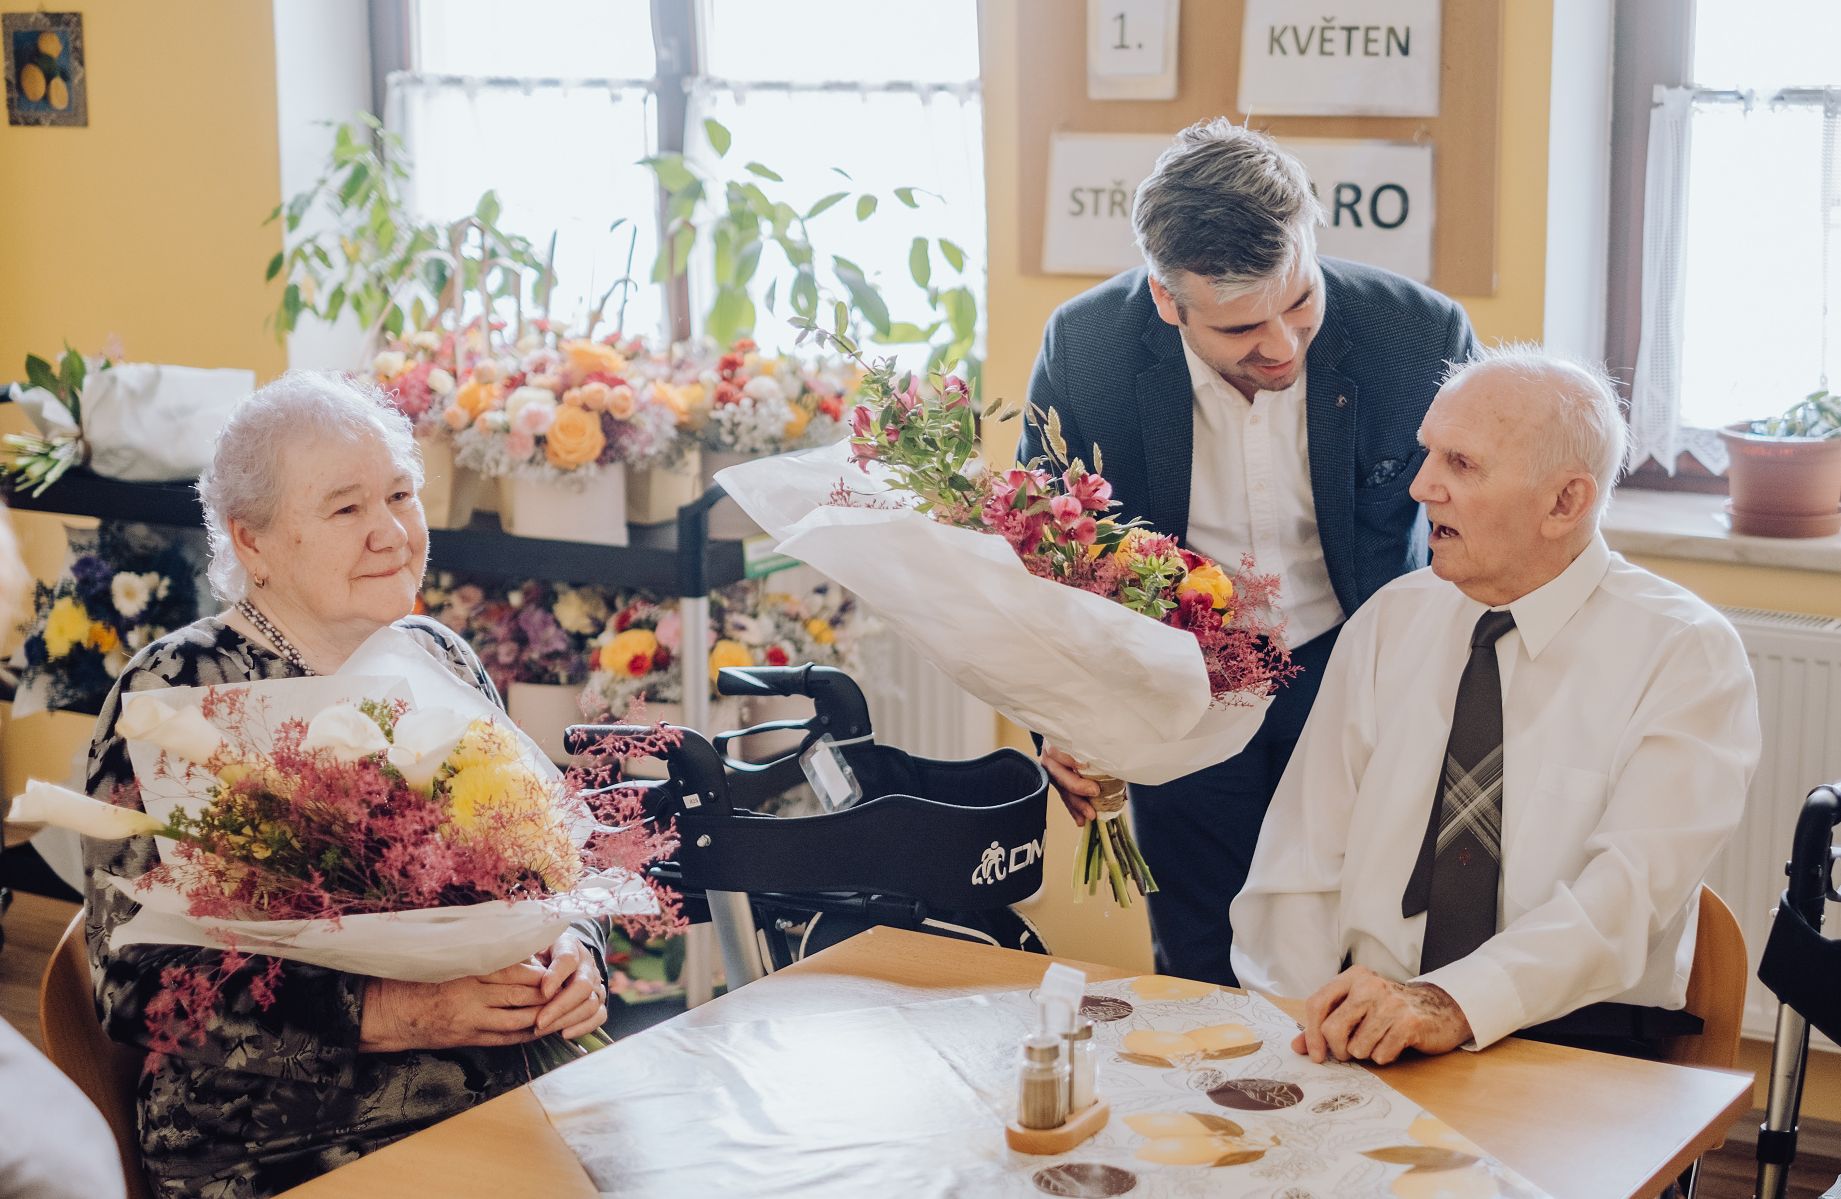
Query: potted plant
<point x="1786" y="470"/>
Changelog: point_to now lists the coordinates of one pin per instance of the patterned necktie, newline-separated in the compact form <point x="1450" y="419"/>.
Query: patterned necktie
<point x="1454" y="880"/>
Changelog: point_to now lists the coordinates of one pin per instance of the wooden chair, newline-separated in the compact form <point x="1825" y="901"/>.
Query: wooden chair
<point x="105" y="1071"/>
<point x="1716" y="993"/>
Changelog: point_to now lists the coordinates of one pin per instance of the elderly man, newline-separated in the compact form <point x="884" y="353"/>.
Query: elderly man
<point x="1520" y="765"/>
<point x="1253" y="397"/>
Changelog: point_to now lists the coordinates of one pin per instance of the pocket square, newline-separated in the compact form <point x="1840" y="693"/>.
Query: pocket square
<point x="1384" y="471"/>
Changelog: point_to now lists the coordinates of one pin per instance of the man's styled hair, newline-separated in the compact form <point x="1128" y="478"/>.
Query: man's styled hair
<point x="1224" y="202"/>
<point x="1588" y="433"/>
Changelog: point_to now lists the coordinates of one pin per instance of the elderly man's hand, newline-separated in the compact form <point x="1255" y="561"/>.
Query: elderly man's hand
<point x="493" y="1009"/>
<point x="1075" y="789"/>
<point x="1360" y="1016"/>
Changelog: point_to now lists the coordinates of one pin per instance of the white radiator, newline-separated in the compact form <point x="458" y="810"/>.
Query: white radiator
<point x="1797" y="662"/>
<point x="913" y="706"/>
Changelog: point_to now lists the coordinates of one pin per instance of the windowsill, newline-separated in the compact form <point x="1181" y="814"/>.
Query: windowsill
<point x="1681" y="524"/>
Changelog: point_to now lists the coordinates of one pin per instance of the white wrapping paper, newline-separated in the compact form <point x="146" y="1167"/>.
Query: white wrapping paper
<point x="1123" y="692"/>
<point x="429" y="945"/>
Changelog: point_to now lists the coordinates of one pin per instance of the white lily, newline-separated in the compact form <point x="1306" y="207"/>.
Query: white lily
<point x="48" y="803"/>
<point x="424" y="739"/>
<point x="346" y="732"/>
<point x="181" y="731"/>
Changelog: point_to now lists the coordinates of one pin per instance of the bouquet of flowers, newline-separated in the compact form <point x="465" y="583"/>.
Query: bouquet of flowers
<point x="388" y="825"/>
<point x="418" y="373"/>
<point x="781" y="629"/>
<point x="1109" y="639"/>
<point x="561" y="411"/>
<point x="131" y="587"/>
<point x="533" y="632"/>
<point x="744" y="403"/>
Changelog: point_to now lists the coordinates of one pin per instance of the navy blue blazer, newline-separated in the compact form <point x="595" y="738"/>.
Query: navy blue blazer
<point x="1116" y="374"/>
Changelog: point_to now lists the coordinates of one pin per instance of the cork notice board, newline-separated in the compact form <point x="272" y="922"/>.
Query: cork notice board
<point x="1052" y="80"/>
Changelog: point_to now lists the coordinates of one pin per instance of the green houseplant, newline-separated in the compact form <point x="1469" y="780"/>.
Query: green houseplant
<point x="1786" y="470"/>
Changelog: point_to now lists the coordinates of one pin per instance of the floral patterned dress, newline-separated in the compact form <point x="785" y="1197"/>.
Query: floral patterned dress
<point x="272" y="1098"/>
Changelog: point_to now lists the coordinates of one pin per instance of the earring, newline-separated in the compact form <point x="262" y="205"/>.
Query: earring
<point x="261" y="582"/>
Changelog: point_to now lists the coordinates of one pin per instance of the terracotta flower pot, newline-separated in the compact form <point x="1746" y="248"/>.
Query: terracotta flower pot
<point x="1783" y="486"/>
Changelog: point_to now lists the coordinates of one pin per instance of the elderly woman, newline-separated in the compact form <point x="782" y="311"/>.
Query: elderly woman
<point x="317" y="541"/>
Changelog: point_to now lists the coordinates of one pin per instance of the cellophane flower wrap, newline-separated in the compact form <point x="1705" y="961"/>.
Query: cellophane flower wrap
<point x="385" y="820"/>
<point x="1145" y="660"/>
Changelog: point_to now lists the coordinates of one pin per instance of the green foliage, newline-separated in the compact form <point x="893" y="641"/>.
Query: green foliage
<point x="737" y="218"/>
<point x="376" y="260"/>
<point x="33" y="462"/>
<point x="1817" y="416"/>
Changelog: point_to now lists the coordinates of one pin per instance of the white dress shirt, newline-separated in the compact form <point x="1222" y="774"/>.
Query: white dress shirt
<point x="1249" y="492"/>
<point x="1630" y="725"/>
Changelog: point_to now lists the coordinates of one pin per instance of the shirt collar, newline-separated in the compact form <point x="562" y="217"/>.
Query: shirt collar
<point x="1543" y="612"/>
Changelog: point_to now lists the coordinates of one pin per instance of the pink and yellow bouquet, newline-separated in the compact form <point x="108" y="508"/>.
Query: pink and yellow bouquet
<point x="365" y="833"/>
<point x="1110" y="640"/>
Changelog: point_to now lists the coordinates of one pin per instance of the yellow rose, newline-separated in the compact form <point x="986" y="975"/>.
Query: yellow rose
<point x="591" y="357"/>
<point x="101" y="637"/>
<point x="728" y="653"/>
<point x="821" y="630"/>
<point x="795" y="427"/>
<point x="629" y="655"/>
<point x="476" y="398"/>
<point x="66" y="627"/>
<point x="1209" y="581"/>
<point x="575" y="439"/>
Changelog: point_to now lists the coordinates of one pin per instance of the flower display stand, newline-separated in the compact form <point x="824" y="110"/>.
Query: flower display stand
<point x="593" y="512"/>
<point x="727" y="521"/>
<point x="654" y="494"/>
<point x="450" y="492"/>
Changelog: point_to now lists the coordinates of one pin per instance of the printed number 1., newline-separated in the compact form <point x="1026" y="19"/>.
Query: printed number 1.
<point x="1122" y="45"/>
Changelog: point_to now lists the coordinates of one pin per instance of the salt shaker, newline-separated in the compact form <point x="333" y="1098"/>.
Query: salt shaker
<point x="1042" y="1091"/>
<point x="1083" y="1066"/>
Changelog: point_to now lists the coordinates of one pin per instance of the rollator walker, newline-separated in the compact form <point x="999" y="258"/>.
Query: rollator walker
<point x="933" y="846"/>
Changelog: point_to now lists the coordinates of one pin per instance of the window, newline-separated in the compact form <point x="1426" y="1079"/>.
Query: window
<point x="556" y="114"/>
<point x="1741" y="292"/>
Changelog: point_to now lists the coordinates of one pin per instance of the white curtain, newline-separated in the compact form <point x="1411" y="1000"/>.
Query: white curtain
<point x="1741" y="308"/>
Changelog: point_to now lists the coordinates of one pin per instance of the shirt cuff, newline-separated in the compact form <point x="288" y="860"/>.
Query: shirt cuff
<point x="1485" y="994"/>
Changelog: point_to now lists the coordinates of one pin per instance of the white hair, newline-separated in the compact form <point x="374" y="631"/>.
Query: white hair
<point x="1226" y="203"/>
<point x="248" y="474"/>
<point x="1588" y="433"/>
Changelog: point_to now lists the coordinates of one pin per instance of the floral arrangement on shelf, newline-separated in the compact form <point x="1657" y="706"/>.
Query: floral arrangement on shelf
<point x="532" y="632"/>
<point x="635" y="656"/>
<point x="748" y="404"/>
<point x="130" y="588"/>
<point x="34" y="461"/>
<point x="371" y="821"/>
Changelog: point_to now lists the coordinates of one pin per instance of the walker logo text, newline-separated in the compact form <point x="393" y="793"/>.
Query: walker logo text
<point x="999" y="863"/>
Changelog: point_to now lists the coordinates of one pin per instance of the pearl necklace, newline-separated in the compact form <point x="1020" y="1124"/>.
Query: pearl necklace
<point x="268" y="629"/>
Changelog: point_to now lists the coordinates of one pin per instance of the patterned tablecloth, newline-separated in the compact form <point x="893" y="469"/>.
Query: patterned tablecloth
<point x="1207" y="1099"/>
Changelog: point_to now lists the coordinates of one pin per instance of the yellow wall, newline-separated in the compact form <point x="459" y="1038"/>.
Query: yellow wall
<point x="146" y="225"/>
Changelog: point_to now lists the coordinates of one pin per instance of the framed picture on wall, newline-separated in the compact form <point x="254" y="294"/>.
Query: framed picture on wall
<point x="44" y="68"/>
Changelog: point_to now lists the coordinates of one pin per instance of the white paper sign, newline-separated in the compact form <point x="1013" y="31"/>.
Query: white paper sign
<point x="1375" y="58"/>
<point x="1131" y="49"/>
<point x="1377" y="201"/>
<point x="1092" y="178"/>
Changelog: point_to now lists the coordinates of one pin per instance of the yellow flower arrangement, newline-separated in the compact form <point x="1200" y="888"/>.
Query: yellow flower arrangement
<point x="591" y="357"/>
<point x="684" y="401"/>
<point x="1210" y="581"/>
<point x="627" y="650"/>
<point x="485" y="743"/>
<point x="476" y="398"/>
<point x="575" y="438"/>
<point x="728" y="653"/>
<point x="821" y="630"/>
<point x="795" y="428"/>
<point x="67" y="626"/>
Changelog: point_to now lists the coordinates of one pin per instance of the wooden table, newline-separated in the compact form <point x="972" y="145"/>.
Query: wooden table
<point x="1580" y="1125"/>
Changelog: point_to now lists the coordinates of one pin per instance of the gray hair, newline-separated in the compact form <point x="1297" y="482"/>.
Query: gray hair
<point x="248" y="475"/>
<point x="1226" y="203"/>
<point x="1588" y="433"/>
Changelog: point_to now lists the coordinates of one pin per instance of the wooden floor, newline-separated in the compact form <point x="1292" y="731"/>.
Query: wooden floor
<point x="34" y="925"/>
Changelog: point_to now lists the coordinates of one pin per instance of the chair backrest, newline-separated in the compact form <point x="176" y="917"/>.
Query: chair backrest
<point x="105" y="1071"/>
<point x="1716" y="989"/>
